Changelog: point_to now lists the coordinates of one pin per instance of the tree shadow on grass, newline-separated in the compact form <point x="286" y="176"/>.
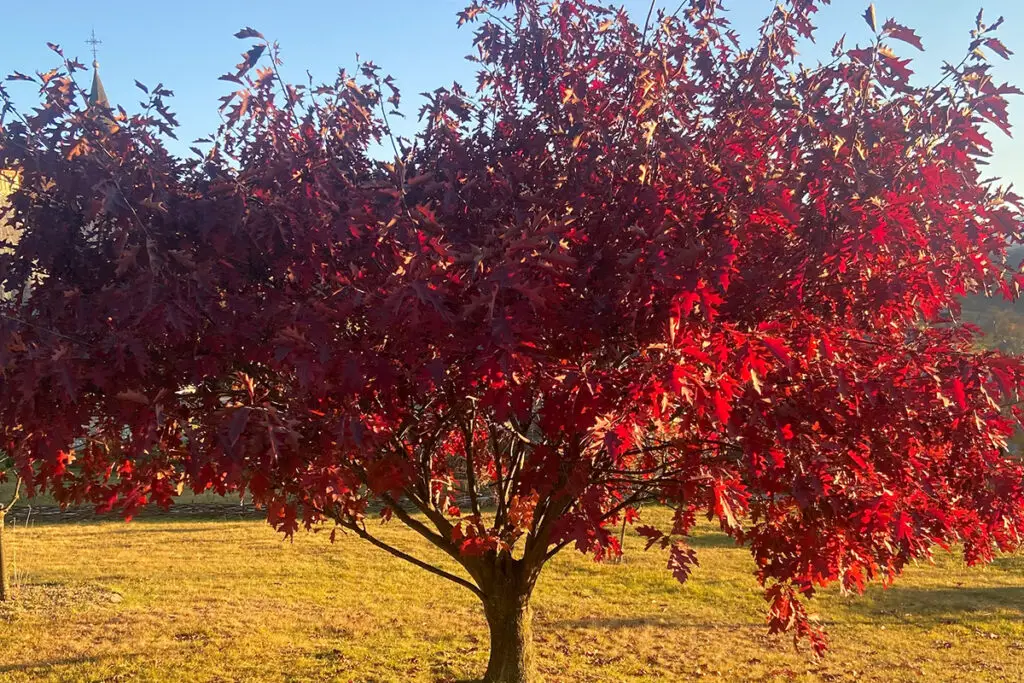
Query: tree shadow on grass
<point x="205" y="512"/>
<point x="642" y="621"/>
<point x="712" y="540"/>
<point x="919" y="605"/>
<point x="43" y="666"/>
<point x="941" y="605"/>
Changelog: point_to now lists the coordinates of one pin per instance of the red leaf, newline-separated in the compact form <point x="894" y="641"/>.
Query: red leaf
<point x="869" y="17"/>
<point x="682" y="560"/>
<point x="652" y="535"/>
<point x="723" y="507"/>
<point x="251" y="57"/>
<point x="722" y="409"/>
<point x="959" y="395"/>
<point x="778" y="349"/>
<point x="899" y="32"/>
<point x="239" y="420"/>
<point x="997" y="46"/>
<point x="248" y="32"/>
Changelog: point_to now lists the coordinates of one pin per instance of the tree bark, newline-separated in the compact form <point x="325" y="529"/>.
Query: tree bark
<point x="5" y="584"/>
<point x="510" y="619"/>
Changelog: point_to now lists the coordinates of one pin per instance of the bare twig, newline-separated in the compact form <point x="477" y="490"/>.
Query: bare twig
<point x="4" y="509"/>
<point x="636" y="497"/>
<point x="43" y="329"/>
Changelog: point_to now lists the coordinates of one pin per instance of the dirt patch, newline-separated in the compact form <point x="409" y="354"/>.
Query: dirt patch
<point x="51" y="598"/>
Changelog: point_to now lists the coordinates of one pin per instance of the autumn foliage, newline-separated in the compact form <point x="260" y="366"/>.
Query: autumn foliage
<point x="635" y="263"/>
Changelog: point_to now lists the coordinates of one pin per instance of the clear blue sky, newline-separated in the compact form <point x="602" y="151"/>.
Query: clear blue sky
<point x="187" y="44"/>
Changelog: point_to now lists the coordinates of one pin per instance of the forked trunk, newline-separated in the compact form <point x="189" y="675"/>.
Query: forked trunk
<point x="511" y="622"/>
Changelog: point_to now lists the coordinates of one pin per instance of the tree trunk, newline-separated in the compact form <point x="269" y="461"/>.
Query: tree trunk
<point x="5" y="584"/>
<point x="511" y="623"/>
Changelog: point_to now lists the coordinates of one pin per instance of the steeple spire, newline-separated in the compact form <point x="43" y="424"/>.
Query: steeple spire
<point x="97" y="95"/>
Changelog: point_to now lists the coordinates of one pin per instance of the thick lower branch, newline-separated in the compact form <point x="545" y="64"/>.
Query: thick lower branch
<point x="362" y="533"/>
<point x="441" y="540"/>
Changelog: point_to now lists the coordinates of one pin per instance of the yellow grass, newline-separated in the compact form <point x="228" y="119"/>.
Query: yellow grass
<point x="168" y="599"/>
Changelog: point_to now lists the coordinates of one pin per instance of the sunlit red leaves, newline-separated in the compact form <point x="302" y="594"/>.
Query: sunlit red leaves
<point x="994" y="109"/>
<point x="723" y="409"/>
<point x="474" y="540"/>
<point x="78" y="148"/>
<point x="779" y="350"/>
<point x="959" y="395"/>
<point x="521" y="510"/>
<point x="787" y="613"/>
<point x="668" y="275"/>
<point x="471" y="13"/>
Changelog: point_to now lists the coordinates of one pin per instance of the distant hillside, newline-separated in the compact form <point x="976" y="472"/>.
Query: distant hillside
<point x="1002" y="321"/>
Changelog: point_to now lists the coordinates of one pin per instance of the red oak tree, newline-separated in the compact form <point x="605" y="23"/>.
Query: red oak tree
<point x="639" y="263"/>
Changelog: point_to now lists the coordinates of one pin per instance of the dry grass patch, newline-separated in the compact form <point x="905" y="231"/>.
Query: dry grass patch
<point x="210" y="600"/>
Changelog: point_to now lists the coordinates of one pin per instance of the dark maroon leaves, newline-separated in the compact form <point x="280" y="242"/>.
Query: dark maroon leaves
<point x="609" y="277"/>
<point x="900" y="32"/>
<point x="248" y="32"/>
<point x="869" y="17"/>
<point x="681" y="561"/>
<point x="997" y="46"/>
<point x="250" y="58"/>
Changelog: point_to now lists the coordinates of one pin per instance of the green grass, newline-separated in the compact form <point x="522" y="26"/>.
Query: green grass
<point x="166" y="599"/>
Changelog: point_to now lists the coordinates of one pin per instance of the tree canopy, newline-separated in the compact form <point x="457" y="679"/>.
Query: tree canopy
<point x="636" y="263"/>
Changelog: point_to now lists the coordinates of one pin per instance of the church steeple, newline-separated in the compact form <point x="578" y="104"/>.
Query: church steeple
<point x="97" y="95"/>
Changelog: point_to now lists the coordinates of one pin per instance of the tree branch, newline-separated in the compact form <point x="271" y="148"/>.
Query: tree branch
<point x="499" y="497"/>
<point x="416" y="525"/>
<point x="467" y="435"/>
<point x="636" y="497"/>
<point x="45" y="329"/>
<point x="441" y="539"/>
<point x="437" y="571"/>
<point x="4" y="509"/>
<point x="437" y="539"/>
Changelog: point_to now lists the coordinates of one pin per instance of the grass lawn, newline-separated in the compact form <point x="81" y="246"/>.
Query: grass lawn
<point x="168" y="599"/>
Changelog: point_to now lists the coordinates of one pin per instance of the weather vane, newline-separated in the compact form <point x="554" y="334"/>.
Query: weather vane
<point x="94" y="42"/>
